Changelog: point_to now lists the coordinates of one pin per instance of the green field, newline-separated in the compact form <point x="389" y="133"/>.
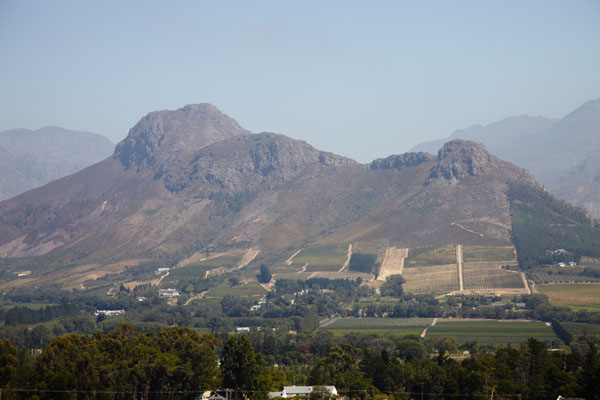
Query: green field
<point x="396" y="326"/>
<point x="579" y="329"/>
<point x="298" y="275"/>
<point x="198" y="269"/>
<point x="222" y="261"/>
<point x="33" y="306"/>
<point x="251" y="289"/>
<point x="491" y="331"/>
<point x="482" y="253"/>
<point x="577" y="296"/>
<point x="324" y="257"/>
<point x="429" y="256"/>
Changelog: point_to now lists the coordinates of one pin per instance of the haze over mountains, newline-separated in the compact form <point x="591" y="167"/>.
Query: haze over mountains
<point x="563" y="154"/>
<point x="29" y="159"/>
<point x="194" y="180"/>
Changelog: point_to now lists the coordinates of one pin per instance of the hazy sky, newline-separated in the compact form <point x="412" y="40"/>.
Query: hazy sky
<point x="362" y="79"/>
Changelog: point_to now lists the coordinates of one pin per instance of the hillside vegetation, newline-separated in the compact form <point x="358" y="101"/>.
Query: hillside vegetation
<point x="542" y="224"/>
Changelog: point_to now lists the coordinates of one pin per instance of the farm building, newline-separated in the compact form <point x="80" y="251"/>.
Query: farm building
<point x="168" y="293"/>
<point x="301" y="391"/>
<point x="109" y="312"/>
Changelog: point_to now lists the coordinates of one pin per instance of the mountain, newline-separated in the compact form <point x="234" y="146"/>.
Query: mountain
<point x="560" y="153"/>
<point x="192" y="180"/>
<point x="30" y="159"/>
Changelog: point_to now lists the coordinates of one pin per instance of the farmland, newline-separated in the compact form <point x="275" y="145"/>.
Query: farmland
<point x="250" y="289"/>
<point x="492" y="332"/>
<point x="481" y="253"/>
<point x="429" y="256"/>
<point x="579" y="329"/>
<point x="485" y="275"/>
<point x="541" y="278"/>
<point x="393" y="263"/>
<point x="341" y="275"/>
<point x="396" y="326"/>
<point x="573" y="295"/>
<point x="437" y="280"/>
<point x="322" y="258"/>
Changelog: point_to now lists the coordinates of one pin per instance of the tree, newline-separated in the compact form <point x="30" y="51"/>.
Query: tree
<point x="243" y="369"/>
<point x="393" y="286"/>
<point x="363" y="262"/>
<point x="265" y="275"/>
<point x="8" y="362"/>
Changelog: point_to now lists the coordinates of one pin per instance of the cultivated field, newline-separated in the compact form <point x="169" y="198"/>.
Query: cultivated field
<point x="393" y="263"/>
<point x="578" y="329"/>
<point x="575" y="295"/>
<point x="540" y="278"/>
<point x="322" y="258"/>
<point x="429" y="256"/>
<point x="436" y="280"/>
<point x="396" y="326"/>
<point x="483" y="253"/>
<point x="341" y="275"/>
<point x="250" y="289"/>
<point x="491" y="332"/>
<point x="486" y="275"/>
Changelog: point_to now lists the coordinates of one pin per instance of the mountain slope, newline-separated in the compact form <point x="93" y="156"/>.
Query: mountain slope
<point x="30" y="159"/>
<point x="192" y="180"/>
<point x="561" y="154"/>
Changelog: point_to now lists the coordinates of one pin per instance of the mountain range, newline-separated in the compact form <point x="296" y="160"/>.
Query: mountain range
<point x="563" y="154"/>
<point x="193" y="180"/>
<point x="29" y="159"/>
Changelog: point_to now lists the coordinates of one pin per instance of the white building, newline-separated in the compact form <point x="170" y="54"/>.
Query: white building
<point x="301" y="391"/>
<point x="170" y="293"/>
<point x="108" y="313"/>
<point x="243" y="329"/>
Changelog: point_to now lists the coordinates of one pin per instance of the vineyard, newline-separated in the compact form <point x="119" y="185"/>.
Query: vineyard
<point x="341" y="275"/>
<point x="396" y="326"/>
<point x="492" y="332"/>
<point x="430" y="256"/>
<point x="579" y="329"/>
<point x="322" y="258"/>
<point x="366" y="323"/>
<point x="575" y="295"/>
<point x="540" y="277"/>
<point x="484" y="275"/>
<point x="393" y="262"/>
<point x="436" y="280"/>
<point x="481" y="253"/>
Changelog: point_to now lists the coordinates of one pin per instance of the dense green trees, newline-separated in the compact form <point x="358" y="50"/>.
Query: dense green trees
<point x="177" y="363"/>
<point x="363" y="262"/>
<point x="393" y="286"/>
<point x="243" y="369"/>
<point x="542" y="224"/>
<point x="265" y="275"/>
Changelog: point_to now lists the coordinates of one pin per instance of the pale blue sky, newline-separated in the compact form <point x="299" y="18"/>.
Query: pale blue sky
<point x="362" y="79"/>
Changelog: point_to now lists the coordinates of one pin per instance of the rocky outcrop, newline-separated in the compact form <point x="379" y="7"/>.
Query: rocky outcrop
<point x="250" y="162"/>
<point x="461" y="159"/>
<point x="401" y="161"/>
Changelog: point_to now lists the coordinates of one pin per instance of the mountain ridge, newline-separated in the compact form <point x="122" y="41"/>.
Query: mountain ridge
<point x="560" y="153"/>
<point x="32" y="158"/>
<point x="231" y="189"/>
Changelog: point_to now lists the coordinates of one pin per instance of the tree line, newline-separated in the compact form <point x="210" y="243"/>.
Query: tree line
<point x="178" y="363"/>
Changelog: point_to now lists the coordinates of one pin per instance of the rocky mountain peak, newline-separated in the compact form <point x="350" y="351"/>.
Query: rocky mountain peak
<point x="167" y="134"/>
<point x="459" y="159"/>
